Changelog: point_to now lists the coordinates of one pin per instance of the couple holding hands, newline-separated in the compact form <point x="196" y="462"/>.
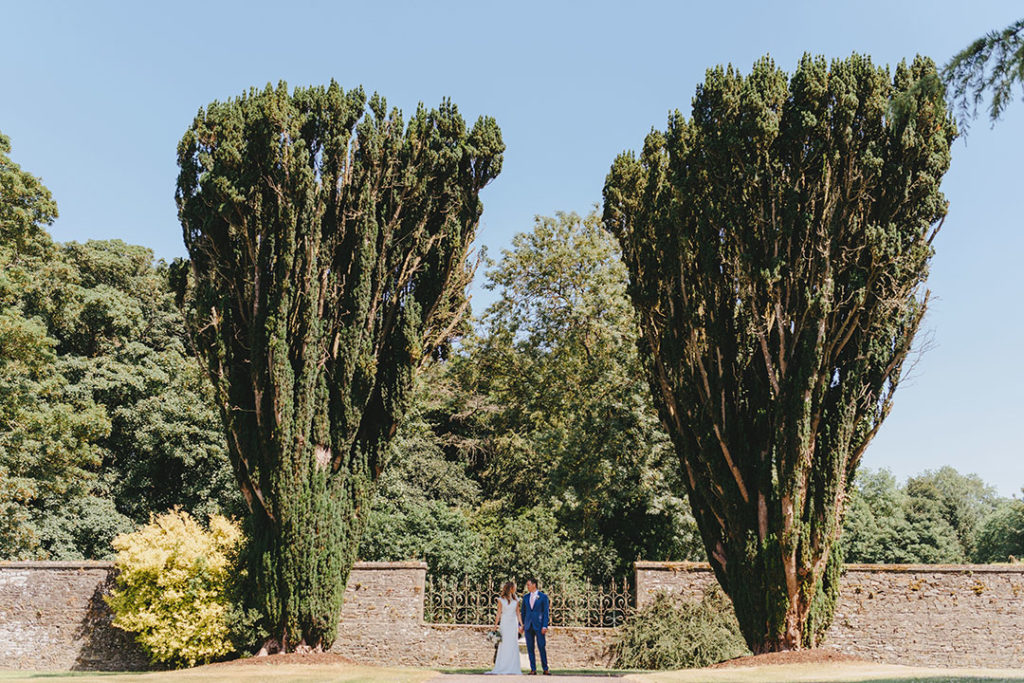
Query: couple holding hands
<point x="529" y="616"/>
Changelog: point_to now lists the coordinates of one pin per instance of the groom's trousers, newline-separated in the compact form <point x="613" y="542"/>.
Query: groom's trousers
<point x="541" y="645"/>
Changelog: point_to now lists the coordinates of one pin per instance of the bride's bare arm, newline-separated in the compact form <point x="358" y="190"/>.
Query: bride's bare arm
<point x="497" y="619"/>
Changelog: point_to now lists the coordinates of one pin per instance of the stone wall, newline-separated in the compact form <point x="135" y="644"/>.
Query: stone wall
<point x="382" y="623"/>
<point x="925" y="615"/>
<point x="942" y="616"/>
<point x="53" y="617"/>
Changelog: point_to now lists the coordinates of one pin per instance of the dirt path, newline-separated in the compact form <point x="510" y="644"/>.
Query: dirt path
<point x="554" y="677"/>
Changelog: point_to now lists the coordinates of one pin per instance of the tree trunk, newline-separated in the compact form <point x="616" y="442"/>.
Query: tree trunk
<point x="780" y="604"/>
<point x="299" y="563"/>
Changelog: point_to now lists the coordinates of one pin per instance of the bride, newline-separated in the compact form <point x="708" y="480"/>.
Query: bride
<point x="509" y="624"/>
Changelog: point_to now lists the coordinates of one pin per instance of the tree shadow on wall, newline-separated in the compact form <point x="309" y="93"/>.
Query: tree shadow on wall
<point x="105" y="647"/>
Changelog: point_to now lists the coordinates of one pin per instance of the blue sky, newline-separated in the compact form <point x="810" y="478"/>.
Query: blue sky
<point x="96" y="95"/>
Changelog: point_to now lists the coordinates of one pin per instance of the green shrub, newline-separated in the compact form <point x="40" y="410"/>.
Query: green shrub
<point x="670" y="633"/>
<point x="174" y="585"/>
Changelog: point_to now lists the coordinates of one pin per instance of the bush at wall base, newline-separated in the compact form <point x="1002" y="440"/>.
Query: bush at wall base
<point x="670" y="633"/>
<point x="174" y="585"/>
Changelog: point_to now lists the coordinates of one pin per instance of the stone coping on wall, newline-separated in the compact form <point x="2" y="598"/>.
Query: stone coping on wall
<point x="893" y="568"/>
<point x="673" y="566"/>
<point x="56" y="564"/>
<point x="107" y="564"/>
<point x="938" y="568"/>
<point x="390" y="565"/>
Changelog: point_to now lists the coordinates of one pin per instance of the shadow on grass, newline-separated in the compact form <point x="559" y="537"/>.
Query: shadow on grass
<point x="33" y="675"/>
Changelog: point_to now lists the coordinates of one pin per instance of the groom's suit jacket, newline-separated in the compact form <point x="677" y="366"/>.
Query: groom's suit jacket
<point x="536" y="617"/>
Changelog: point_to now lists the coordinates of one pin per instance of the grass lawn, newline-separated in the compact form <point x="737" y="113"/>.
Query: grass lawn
<point x="347" y="673"/>
<point x="351" y="673"/>
<point x="808" y="673"/>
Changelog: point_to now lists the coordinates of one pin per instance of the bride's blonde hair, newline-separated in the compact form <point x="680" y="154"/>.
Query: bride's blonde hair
<point x="508" y="591"/>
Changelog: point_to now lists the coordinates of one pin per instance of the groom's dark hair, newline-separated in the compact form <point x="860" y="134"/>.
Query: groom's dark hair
<point x="534" y="581"/>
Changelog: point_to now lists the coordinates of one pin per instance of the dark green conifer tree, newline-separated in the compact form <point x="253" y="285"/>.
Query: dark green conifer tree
<point x="328" y="242"/>
<point x="777" y="243"/>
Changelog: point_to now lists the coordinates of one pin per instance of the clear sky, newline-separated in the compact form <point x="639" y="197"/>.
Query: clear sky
<point x="96" y="95"/>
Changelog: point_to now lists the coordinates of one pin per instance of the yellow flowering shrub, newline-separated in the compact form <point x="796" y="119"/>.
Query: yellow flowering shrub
<point x="173" y="587"/>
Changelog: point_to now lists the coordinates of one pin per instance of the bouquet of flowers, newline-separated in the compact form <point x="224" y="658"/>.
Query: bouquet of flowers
<point x="494" y="637"/>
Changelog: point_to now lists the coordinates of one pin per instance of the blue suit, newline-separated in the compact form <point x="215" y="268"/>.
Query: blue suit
<point x="534" y="619"/>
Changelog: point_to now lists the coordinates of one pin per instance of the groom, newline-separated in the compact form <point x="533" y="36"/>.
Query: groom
<point x="536" y="610"/>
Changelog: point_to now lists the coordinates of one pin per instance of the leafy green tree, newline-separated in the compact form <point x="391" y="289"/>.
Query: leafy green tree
<point x="106" y="417"/>
<point x="81" y="526"/>
<point x="425" y="501"/>
<point x="875" y="525"/>
<point x="931" y="538"/>
<point x="528" y="543"/>
<point x="990" y="65"/>
<point x="328" y="259"/>
<point x="777" y="243"/>
<point x="26" y="206"/>
<point x="962" y="501"/>
<point x="441" y="535"/>
<point x="122" y="341"/>
<point x="48" y="431"/>
<point x="119" y="341"/>
<point x="933" y="519"/>
<point x="572" y="424"/>
<point x="1000" y="537"/>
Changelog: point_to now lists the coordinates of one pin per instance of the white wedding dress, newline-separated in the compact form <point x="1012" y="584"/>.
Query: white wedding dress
<point x="507" y="661"/>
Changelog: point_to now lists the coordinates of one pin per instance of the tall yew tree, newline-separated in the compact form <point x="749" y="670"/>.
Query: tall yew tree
<point x="328" y="243"/>
<point x="777" y="244"/>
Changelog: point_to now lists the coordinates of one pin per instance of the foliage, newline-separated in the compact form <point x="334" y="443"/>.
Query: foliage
<point x="884" y="524"/>
<point x="328" y="242"/>
<point x="670" y="633"/>
<point x="529" y="543"/>
<point x="104" y="417"/>
<point x="777" y="243"/>
<point x="551" y="407"/>
<point x="959" y="500"/>
<point x="1001" y="534"/>
<point x="82" y="528"/>
<point x="48" y="430"/>
<point x="173" y="586"/>
<point x="438" y="534"/>
<point x="991" y="64"/>
<point x="26" y="205"/>
<point x="122" y="340"/>
<point x="424" y="502"/>
<point x="117" y="349"/>
<point x="933" y="519"/>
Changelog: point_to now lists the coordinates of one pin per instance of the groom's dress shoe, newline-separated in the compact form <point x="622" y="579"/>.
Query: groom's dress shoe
<point x="547" y="673"/>
<point x="532" y="673"/>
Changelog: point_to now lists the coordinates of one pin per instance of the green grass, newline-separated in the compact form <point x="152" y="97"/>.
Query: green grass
<point x="285" y="673"/>
<point x="343" y="673"/>
<point x="818" y="673"/>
